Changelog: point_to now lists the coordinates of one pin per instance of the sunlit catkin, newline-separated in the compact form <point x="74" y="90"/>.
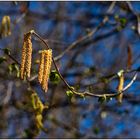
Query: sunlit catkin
<point x="28" y="54"/>
<point x="5" y="26"/>
<point x="41" y="67"/>
<point x="26" y="57"/>
<point x="47" y="67"/>
<point x="120" y="87"/>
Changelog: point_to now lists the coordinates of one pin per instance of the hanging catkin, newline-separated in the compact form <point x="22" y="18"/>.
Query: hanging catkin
<point x="29" y="55"/>
<point x="120" y="87"/>
<point x="47" y="67"/>
<point x="26" y="57"/>
<point x="44" y="69"/>
<point x="5" y="26"/>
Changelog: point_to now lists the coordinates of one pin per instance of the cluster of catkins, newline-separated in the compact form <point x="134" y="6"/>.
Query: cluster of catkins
<point x="44" y="64"/>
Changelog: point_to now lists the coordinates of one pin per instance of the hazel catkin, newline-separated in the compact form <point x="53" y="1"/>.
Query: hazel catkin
<point x="44" y="70"/>
<point x="29" y="55"/>
<point x="120" y="87"/>
<point x="26" y="59"/>
<point x="5" y="26"/>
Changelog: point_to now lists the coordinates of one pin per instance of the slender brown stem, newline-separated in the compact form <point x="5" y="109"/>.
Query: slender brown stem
<point x="40" y="39"/>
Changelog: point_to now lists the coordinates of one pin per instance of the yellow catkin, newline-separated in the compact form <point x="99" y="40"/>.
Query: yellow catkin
<point x="47" y="67"/>
<point x="26" y="59"/>
<point x="38" y="108"/>
<point x="23" y="61"/>
<point x="28" y="54"/>
<point x="41" y="67"/>
<point x="120" y="87"/>
<point x="6" y="30"/>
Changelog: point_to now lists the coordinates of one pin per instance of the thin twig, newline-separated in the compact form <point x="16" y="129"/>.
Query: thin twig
<point x="131" y="82"/>
<point x="110" y="95"/>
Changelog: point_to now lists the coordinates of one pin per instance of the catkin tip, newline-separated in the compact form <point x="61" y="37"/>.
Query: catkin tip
<point x="32" y="31"/>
